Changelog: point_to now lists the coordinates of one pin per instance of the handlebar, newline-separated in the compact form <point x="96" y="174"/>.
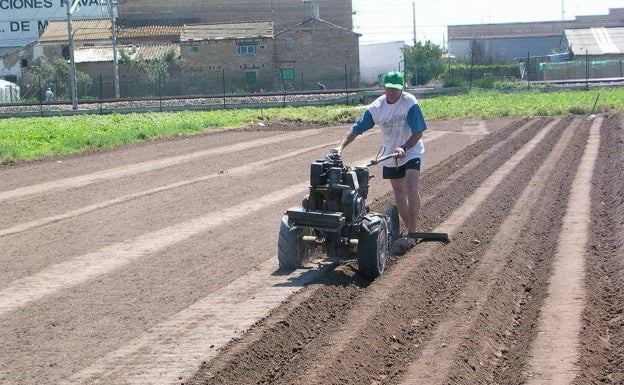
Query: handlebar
<point x="373" y="162"/>
<point x="335" y="156"/>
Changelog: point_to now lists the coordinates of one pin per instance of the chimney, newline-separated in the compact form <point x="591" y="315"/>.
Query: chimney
<point x="310" y="10"/>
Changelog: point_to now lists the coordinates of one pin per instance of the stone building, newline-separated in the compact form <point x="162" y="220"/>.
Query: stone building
<point x="317" y="51"/>
<point x="236" y="56"/>
<point x="251" y="57"/>
<point x="292" y="47"/>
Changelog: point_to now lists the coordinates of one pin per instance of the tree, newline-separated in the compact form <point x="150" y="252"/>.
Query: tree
<point x="423" y="62"/>
<point x="157" y="69"/>
<point x="56" y="72"/>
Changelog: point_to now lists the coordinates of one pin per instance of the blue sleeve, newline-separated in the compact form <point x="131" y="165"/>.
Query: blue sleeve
<point x="415" y="119"/>
<point x="365" y="122"/>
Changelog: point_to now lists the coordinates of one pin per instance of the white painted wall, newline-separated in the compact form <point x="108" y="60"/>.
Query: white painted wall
<point x="21" y="21"/>
<point x="379" y="58"/>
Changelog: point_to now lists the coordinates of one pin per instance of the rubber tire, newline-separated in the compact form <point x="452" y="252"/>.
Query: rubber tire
<point x="372" y="251"/>
<point x="292" y="252"/>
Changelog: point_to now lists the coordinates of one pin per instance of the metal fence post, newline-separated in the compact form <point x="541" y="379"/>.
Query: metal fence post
<point x="586" y="70"/>
<point x="101" y="94"/>
<point x="346" y="84"/>
<point x="528" y="66"/>
<point x="223" y="76"/>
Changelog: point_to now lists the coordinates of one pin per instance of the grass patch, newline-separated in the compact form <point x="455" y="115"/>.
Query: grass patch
<point x="32" y="138"/>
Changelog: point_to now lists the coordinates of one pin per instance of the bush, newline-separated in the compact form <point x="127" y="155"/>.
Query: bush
<point x="486" y="82"/>
<point x="465" y="71"/>
<point x="454" y="82"/>
<point x="506" y="86"/>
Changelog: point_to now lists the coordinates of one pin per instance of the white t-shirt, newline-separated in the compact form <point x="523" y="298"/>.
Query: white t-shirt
<point x="398" y="121"/>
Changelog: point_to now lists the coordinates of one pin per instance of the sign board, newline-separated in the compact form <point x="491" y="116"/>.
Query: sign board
<point x="22" y="20"/>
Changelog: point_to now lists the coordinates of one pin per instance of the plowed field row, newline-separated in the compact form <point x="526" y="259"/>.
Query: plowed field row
<point x="156" y="263"/>
<point x="501" y="304"/>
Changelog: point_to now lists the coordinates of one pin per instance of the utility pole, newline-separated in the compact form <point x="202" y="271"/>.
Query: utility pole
<point x="70" y="42"/>
<point x="111" y="13"/>
<point x="415" y="42"/>
<point x="414" y="15"/>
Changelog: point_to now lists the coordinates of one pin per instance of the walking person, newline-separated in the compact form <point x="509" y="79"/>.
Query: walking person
<point x="402" y="123"/>
<point x="49" y="95"/>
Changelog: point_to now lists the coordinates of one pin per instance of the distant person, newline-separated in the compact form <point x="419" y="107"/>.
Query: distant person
<point x="49" y="95"/>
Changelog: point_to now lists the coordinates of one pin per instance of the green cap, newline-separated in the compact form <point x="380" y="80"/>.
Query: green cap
<point x="394" y="79"/>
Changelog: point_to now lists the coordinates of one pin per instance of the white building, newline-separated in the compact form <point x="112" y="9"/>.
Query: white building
<point x="21" y="22"/>
<point x="9" y="92"/>
<point x="378" y="58"/>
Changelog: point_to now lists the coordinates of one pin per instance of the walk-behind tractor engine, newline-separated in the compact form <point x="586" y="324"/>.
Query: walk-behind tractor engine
<point x="334" y="215"/>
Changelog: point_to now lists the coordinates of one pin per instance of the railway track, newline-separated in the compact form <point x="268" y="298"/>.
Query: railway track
<point x="185" y="103"/>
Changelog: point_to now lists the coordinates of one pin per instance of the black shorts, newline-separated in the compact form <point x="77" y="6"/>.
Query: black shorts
<point x="399" y="172"/>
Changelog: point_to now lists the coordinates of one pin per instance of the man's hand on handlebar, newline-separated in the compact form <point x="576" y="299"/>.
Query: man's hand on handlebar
<point x="400" y="151"/>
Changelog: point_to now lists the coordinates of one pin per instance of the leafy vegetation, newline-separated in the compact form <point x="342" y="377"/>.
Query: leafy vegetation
<point x="32" y="138"/>
<point x="55" y="74"/>
<point x="157" y="69"/>
<point x="423" y="62"/>
<point x="482" y="76"/>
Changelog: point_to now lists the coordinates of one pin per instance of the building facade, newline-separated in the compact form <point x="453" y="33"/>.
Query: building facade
<point x="252" y="57"/>
<point x="292" y="48"/>
<point x="283" y="13"/>
<point x="317" y="51"/>
<point x="511" y="41"/>
<point x="379" y="58"/>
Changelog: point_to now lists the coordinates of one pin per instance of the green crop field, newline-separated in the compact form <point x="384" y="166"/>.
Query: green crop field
<point x="34" y="138"/>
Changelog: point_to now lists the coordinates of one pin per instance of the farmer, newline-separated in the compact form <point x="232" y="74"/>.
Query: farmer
<point x="402" y="124"/>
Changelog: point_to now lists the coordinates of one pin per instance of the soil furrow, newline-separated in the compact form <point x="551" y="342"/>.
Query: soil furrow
<point x="602" y="340"/>
<point x="406" y="319"/>
<point x="502" y="336"/>
<point x="484" y="305"/>
<point x="196" y="277"/>
<point x="430" y="288"/>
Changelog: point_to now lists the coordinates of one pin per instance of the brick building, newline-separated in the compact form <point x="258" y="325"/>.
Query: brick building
<point x="237" y="56"/>
<point x="283" y="13"/>
<point x="252" y="57"/>
<point x="317" y="51"/>
<point x="281" y="43"/>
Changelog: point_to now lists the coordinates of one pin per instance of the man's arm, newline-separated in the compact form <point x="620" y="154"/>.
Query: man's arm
<point x="411" y="142"/>
<point x="350" y="137"/>
<point x="365" y="122"/>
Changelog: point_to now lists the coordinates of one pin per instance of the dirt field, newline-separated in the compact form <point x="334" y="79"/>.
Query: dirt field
<point x="156" y="263"/>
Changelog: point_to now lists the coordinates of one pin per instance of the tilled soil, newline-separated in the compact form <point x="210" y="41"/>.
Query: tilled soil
<point x="156" y="264"/>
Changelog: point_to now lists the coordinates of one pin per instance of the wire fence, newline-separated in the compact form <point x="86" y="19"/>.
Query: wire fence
<point x="136" y="84"/>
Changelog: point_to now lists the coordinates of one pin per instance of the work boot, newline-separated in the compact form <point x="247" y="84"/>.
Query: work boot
<point x="402" y="245"/>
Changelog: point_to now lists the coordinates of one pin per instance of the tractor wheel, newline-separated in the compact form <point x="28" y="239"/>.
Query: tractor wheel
<point x="372" y="249"/>
<point x="394" y="229"/>
<point x="292" y="251"/>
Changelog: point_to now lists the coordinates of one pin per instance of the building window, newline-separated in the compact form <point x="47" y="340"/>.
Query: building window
<point x="194" y="48"/>
<point x="290" y="43"/>
<point x="247" y="49"/>
<point x="288" y="73"/>
<point x="24" y="63"/>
